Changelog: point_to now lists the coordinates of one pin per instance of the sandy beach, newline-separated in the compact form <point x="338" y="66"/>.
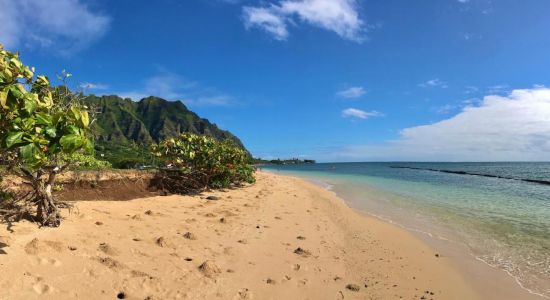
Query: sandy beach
<point x="281" y="238"/>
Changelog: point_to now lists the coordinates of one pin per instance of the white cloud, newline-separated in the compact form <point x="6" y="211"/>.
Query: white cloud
<point x="515" y="127"/>
<point x="352" y="92"/>
<point x="93" y="86"/>
<point x="64" y="25"/>
<point x="339" y="16"/>
<point x="267" y="19"/>
<point x="434" y="83"/>
<point x="360" y="114"/>
<point x="173" y="87"/>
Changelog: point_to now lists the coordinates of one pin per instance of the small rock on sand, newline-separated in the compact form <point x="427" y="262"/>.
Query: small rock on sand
<point x="189" y="236"/>
<point x="99" y="223"/>
<point x="209" y="269"/>
<point x="302" y="252"/>
<point x="271" y="281"/>
<point x="353" y="287"/>
<point x="301" y="237"/>
<point x="212" y="198"/>
<point x="162" y="242"/>
<point x="149" y="212"/>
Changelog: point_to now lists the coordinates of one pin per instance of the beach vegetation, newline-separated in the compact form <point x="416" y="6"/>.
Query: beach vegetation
<point x="43" y="129"/>
<point x="194" y="162"/>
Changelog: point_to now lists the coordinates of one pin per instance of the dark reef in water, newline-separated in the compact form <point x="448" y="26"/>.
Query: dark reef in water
<point x="545" y="182"/>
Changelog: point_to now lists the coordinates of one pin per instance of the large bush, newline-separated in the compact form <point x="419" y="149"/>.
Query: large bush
<point x="204" y="161"/>
<point x="41" y="128"/>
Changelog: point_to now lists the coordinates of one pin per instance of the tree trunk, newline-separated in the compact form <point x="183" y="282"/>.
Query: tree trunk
<point x="47" y="213"/>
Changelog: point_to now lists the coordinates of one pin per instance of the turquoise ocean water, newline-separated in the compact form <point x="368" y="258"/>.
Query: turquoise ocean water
<point x="502" y="220"/>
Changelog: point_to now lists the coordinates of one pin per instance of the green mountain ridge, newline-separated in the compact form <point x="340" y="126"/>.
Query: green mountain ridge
<point x="125" y="128"/>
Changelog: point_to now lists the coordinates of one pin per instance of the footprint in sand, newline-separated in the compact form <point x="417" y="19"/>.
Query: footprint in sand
<point x="36" y="246"/>
<point x="41" y="288"/>
<point x="243" y="294"/>
<point x="49" y="261"/>
<point x="110" y="263"/>
<point x="107" y="249"/>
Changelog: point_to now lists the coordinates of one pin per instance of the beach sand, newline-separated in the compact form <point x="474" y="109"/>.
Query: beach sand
<point x="281" y="238"/>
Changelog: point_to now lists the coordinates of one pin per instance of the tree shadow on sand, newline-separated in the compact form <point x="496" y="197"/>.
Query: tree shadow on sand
<point x="3" y="245"/>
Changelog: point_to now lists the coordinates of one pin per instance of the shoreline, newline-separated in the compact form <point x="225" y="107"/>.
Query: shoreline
<point x="490" y="281"/>
<point x="282" y="237"/>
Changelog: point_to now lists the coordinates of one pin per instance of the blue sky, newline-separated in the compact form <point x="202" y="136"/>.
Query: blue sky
<point x="334" y="80"/>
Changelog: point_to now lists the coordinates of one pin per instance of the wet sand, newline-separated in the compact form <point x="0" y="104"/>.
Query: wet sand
<point x="281" y="238"/>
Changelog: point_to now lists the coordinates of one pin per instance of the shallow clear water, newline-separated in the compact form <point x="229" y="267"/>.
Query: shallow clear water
<point x="503" y="222"/>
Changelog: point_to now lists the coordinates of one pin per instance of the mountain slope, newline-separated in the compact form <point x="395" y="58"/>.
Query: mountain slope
<point x="150" y="120"/>
<point x="124" y="128"/>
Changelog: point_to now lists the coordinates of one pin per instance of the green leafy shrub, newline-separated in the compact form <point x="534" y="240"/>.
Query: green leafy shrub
<point x="40" y="129"/>
<point x="206" y="161"/>
<point x="82" y="161"/>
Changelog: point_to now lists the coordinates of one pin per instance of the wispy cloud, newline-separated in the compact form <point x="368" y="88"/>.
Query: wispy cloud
<point x="86" y="86"/>
<point x="339" y="16"/>
<point x="360" y="114"/>
<point x="267" y="19"/>
<point x="498" y="89"/>
<point x="446" y="109"/>
<point x="515" y="127"/>
<point x="171" y="86"/>
<point x="434" y="83"/>
<point x="471" y="89"/>
<point x="65" y="26"/>
<point x="352" y="92"/>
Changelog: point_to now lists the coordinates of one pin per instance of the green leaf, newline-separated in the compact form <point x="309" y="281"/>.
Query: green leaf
<point x="89" y="147"/>
<point x="51" y="132"/>
<point x="43" y="119"/>
<point x="13" y="138"/>
<point x="3" y="99"/>
<point x="27" y="152"/>
<point x="71" y="142"/>
<point x="30" y="106"/>
<point x="72" y="130"/>
<point x="85" y="119"/>
<point x="76" y="113"/>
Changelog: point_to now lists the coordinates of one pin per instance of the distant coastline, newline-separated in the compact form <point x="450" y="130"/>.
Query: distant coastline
<point x="278" y="161"/>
